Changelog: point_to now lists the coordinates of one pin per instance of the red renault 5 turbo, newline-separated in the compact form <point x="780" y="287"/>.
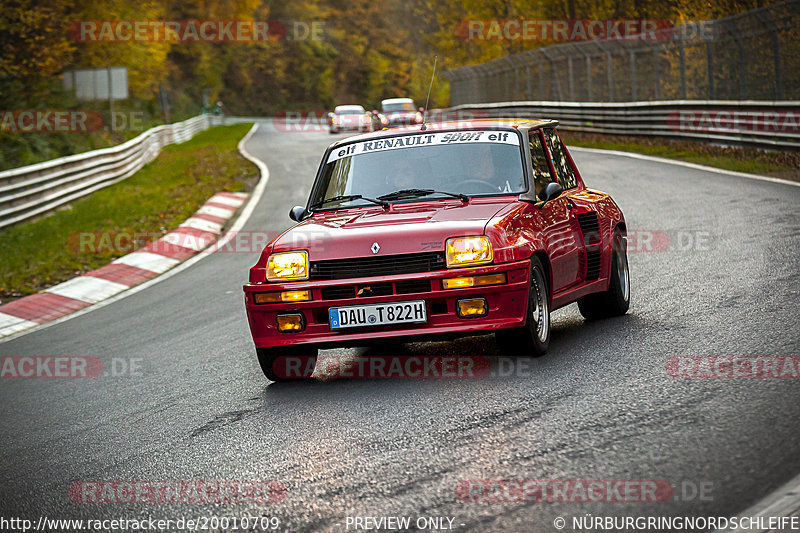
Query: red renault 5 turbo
<point x="414" y="234"/>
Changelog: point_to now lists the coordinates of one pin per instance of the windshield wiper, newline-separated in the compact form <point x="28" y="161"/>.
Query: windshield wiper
<point x="416" y="193"/>
<point x="348" y="197"/>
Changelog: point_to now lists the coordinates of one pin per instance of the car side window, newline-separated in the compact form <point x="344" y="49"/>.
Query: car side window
<point x="541" y="170"/>
<point x="564" y="173"/>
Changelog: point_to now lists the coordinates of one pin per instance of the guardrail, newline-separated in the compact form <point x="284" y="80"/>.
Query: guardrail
<point x="751" y="55"/>
<point x="33" y="190"/>
<point x="765" y="125"/>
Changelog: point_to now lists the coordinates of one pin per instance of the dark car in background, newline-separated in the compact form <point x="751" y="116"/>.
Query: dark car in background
<point x="401" y="112"/>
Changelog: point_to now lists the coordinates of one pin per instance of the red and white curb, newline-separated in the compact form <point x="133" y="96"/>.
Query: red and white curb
<point x="196" y="233"/>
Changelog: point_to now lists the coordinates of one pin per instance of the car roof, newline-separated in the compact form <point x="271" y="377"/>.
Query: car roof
<point x="348" y="107"/>
<point x="478" y="124"/>
<point x="397" y="101"/>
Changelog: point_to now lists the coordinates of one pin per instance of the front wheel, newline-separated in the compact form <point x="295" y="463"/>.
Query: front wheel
<point x="287" y="363"/>
<point x="616" y="300"/>
<point x="534" y="337"/>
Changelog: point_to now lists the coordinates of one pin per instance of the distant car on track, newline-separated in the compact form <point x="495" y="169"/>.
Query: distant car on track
<point x="349" y="118"/>
<point x="411" y="234"/>
<point x="401" y="112"/>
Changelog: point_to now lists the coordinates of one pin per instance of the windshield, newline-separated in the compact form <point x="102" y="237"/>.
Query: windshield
<point x="349" y="110"/>
<point x="475" y="163"/>
<point x="399" y="106"/>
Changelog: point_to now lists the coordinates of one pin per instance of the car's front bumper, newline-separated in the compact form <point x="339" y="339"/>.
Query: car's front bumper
<point x="399" y="122"/>
<point x="506" y="304"/>
<point x="351" y="126"/>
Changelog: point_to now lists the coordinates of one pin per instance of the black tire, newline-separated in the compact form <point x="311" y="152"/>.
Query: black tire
<point x="293" y="362"/>
<point x="616" y="300"/>
<point x="533" y="338"/>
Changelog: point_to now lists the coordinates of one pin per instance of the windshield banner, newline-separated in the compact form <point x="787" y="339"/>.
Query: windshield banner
<point x="424" y="139"/>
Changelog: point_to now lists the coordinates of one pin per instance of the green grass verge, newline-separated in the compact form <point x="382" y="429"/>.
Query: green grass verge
<point x="155" y="200"/>
<point x="737" y="159"/>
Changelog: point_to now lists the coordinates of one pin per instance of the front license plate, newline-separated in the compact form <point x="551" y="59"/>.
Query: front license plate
<point x="359" y="316"/>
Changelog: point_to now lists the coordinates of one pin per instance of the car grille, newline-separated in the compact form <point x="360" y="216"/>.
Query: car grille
<point x="346" y="292"/>
<point x="387" y="265"/>
<point x="412" y="286"/>
<point x="338" y="293"/>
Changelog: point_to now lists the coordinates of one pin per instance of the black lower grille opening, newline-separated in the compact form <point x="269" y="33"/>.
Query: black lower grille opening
<point x="593" y="265"/>
<point x="338" y="292"/>
<point x="438" y="307"/>
<point x="377" y="266"/>
<point x="374" y="289"/>
<point x="412" y="286"/>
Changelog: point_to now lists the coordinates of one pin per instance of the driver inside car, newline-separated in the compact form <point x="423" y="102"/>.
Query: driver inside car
<point x="402" y="177"/>
<point x="492" y="170"/>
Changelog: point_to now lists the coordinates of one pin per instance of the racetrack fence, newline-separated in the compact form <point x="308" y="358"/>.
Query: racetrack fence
<point x="754" y="55"/>
<point x="33" y="190"/>
<point x="763" y="125"/>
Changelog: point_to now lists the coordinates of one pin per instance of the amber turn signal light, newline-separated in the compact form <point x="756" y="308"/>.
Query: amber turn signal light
<point x="285" y="296"/>
<point x="474" y="281"/>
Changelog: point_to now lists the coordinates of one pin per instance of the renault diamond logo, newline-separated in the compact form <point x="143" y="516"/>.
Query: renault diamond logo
<point x="375" y="248"/>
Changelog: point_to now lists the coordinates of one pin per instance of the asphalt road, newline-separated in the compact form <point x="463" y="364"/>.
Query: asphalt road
<point x="600" y="405"/>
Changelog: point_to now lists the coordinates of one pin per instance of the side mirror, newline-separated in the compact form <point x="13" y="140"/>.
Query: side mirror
<point x="551" y="191"/>
<point x="298" y="213"/>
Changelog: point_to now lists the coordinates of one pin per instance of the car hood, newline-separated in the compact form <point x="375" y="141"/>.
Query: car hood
<point x="405" y="228"/>
<point x="400" y="114"/>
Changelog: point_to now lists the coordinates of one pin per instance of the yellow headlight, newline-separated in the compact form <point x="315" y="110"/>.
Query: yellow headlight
<point x="468" y="251"/>
<point x="287" y="266"/>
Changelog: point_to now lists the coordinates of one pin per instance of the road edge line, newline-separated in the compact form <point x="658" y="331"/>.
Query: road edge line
<point x="239" y="222"/>
<point x="782" y="502"/>
<point x="686" y="164"/>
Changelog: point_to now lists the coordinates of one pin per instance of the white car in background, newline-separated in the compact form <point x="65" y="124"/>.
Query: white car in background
<point x="349" y="118"/>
